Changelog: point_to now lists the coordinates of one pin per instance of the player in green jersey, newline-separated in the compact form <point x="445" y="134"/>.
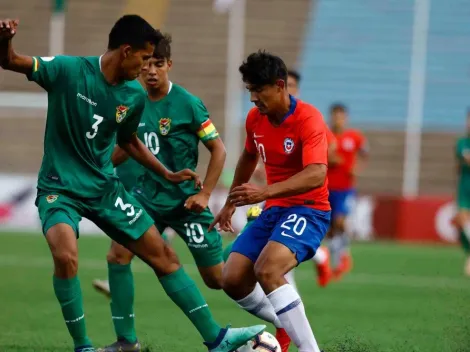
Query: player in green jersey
<point x="94" y="102"/>
<point x="462" y="150"/>
<point x="173" y="123"/>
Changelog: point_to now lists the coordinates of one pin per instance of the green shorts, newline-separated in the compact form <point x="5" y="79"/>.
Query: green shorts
<point x="117" y="213"/>
<point x="463" y="198"/>
<point x="205" y="246"/>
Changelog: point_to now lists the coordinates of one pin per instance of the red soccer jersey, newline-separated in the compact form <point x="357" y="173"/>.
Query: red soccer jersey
<point x="287" y="149"/>
<point x="349" y="144"/>
<point x="330" y="137"/>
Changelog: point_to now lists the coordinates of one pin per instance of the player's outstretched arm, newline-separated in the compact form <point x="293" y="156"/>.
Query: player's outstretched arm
<point x="312" y="176"/>
<point x="119" y="156"/>
<point x="200" y="201"/>
<point x="9" y="59"/>
<point x="138" y="151"/>
<point x="245" y="167"/>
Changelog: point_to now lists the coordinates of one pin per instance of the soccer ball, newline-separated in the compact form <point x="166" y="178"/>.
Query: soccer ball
<point x="264" y="342"/>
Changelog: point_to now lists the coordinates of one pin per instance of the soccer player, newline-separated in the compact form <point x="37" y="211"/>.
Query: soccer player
<point x="352" y="153"/>
<point x="173" y="123"/>
<point x="462" y="152"/>
<point x="290" y="138"/>
<point x="94" y="102"/>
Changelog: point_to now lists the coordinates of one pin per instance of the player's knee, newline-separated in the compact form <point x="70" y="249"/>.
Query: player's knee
<point x="267" y="274"/>
<point x="119" y="255"/>
<point x="213" y="282"/>
<point x="65" y="263"/>
<point x="232" y="282"/>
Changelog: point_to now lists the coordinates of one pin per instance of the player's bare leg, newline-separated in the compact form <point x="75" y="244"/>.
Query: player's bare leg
<point x="62" y="242"/>
<point x="153" y="250"/>
<point x="273" y="263"/>
<point x="240" y="283"/>
<point x="212" y="275"/>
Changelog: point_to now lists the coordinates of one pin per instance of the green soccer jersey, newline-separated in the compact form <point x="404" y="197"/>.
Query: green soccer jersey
<point x="171" y="128"/>
<point x="463" y="149"/>
<point x="85" y="118"/>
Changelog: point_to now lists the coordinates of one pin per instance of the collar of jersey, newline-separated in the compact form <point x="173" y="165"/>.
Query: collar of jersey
<point x="293" y="105"/>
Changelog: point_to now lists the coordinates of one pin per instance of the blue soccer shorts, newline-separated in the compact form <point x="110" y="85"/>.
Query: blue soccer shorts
<point x="299" y="228"/>
<point x="341" y="202"/>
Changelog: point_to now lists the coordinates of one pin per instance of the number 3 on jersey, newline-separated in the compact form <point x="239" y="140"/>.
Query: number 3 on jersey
<point x="99" y="119"/>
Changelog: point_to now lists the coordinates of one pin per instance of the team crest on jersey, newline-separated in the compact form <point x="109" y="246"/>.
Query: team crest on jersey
<point x="52" y="198"/>
<point x="288" y="145"/>
<point x="165" y="124"/>
<point x="121" y="112"/>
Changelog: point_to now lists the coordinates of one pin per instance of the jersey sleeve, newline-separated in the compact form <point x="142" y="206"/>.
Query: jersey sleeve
<point x="50" y="72"/>
<point x="330" y="137"/>
<point x="129" y="126"/>
<point x="250" y="145"/>
<point x="314" y="141"/>
<point x="202" y="124"/>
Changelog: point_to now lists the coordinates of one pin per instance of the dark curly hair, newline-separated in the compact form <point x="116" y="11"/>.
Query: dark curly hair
<point x="262" y="68"/>
<point x="163" y="49"/>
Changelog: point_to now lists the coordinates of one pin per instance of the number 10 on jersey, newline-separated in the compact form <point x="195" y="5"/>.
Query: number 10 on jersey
<point x="261" y="150"/>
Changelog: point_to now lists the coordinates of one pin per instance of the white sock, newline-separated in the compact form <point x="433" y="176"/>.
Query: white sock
<point x="291" y="312"/>
<point x="258" y="304"/>
<point x="290" y="278"/>
<point x="320" y="256"/>
<point x="335" y="246"/>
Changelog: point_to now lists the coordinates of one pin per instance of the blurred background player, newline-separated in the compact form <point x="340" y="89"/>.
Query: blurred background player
<point x="290" y="137"/>
<point x="462" y="152"/>
<point x="351" y="155"/>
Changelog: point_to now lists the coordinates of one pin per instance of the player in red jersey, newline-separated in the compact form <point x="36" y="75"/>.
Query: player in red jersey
<point x="290" y="138"/>
<point x="352" y="153"/>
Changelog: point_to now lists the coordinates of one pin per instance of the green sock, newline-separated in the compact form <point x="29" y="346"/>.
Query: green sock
<point x="69" y="294"/>
<point x="464" y="242"/>
<point x="183" y="291"/>
<point x="121" y="283"/>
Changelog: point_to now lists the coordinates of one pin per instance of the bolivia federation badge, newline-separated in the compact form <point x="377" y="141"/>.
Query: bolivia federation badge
<point x="52" y="198"/>
<point x="121" y="112"/>
<point x="165" y="124"/>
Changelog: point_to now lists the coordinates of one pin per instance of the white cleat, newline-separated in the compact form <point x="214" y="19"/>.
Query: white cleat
<point x="102" y="286"/>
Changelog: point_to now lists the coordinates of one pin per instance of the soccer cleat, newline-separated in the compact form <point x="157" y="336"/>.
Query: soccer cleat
<point x="102" y="286"/>
<point x="324" y="272"/>
<point x="121" y="345"/>
<point x="345" y="266"/>
<point x="229" y="340"/>
<point x="283" y="339"/>
<point x="85" y="349"/>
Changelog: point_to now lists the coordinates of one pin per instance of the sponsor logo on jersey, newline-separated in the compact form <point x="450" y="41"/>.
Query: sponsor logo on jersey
<point x="121" y="112"/>
<point x="164" y="124"/>
<point x="288" y="145"/>
<point x="52" y="198"/>
<point x="88" y="100"/>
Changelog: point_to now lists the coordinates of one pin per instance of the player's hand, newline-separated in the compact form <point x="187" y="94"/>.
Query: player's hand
<point x="8" y="29"/>
<point x="247" y="194"/>
<point x="185" y="175"/>
<point x="224" y="219"/>
<point x="198" y="202"/>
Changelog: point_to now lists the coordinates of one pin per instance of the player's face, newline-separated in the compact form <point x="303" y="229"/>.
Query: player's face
<point x="339" y="119"/>
<point x="133" y="60"/>
<point x="155" y="72"/>
<point x="268" y="97"/>
<point x="292" y="86"/>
